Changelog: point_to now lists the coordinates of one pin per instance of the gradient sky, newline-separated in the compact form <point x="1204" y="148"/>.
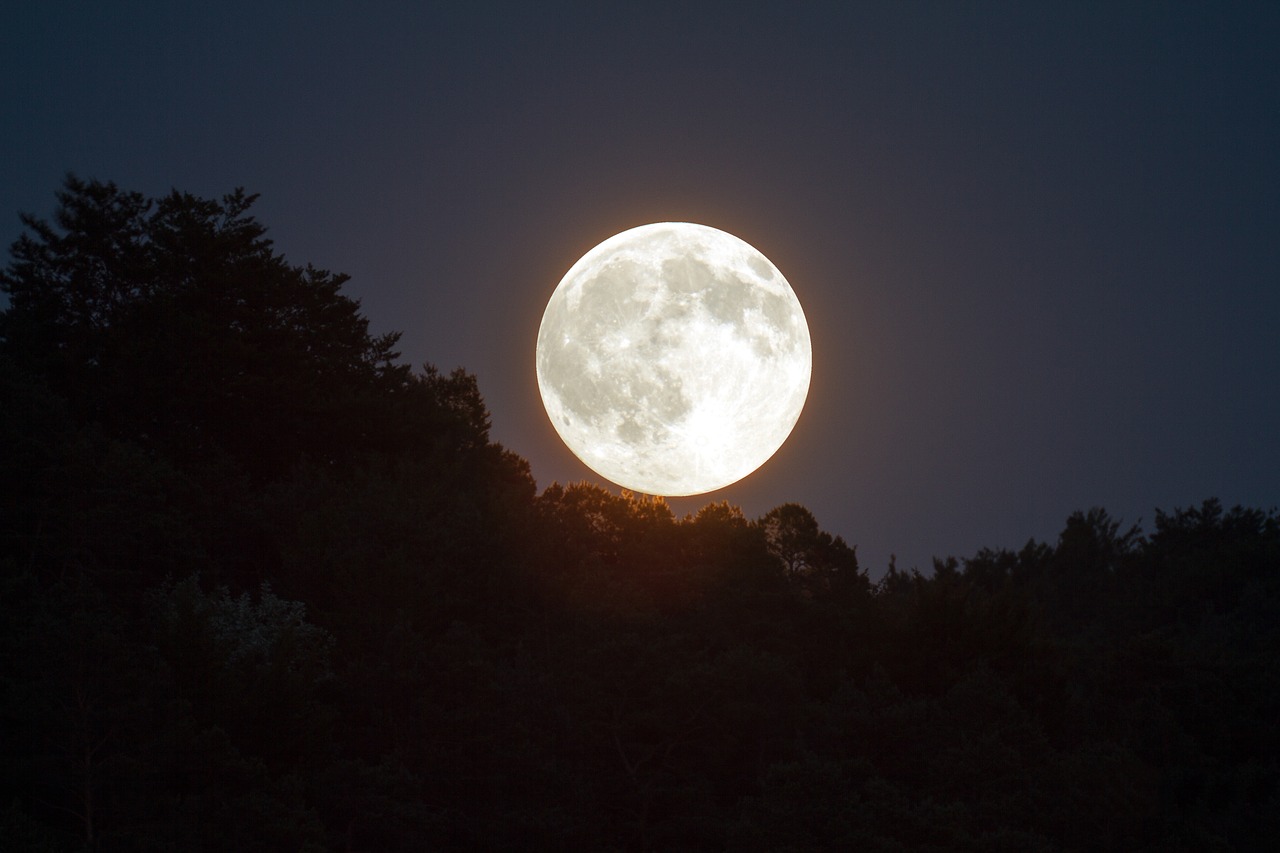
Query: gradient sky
<point x="1038" y="244"/>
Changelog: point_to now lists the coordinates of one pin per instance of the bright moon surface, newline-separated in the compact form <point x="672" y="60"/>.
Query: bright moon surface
<point x="674" y="359"/>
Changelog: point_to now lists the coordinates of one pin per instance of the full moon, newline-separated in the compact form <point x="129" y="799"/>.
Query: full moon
<point x="673" y="359"/>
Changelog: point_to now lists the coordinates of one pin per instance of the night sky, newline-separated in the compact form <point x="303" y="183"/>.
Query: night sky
<point x="1038" y="244"/>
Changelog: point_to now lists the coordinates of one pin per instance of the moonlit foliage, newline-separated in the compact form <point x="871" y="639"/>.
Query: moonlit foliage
<point x="674" y="359"/>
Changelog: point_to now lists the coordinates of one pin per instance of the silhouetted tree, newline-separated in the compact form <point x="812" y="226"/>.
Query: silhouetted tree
<point x="173" y="323"/>
<point x="263" y="589"/>
<point x="1080" y="580"/>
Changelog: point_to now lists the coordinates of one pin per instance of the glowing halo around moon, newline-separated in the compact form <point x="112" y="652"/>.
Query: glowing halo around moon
<point x="674" y="359"/>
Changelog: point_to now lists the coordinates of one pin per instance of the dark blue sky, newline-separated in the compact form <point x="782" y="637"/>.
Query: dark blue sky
<point x="1038" y="244"/>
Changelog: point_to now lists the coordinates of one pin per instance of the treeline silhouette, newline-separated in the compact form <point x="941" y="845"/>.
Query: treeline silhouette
<point x="263" y="588"/>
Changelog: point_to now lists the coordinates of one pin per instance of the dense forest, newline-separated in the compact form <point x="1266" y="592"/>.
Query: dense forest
<point x="262" y="587"/>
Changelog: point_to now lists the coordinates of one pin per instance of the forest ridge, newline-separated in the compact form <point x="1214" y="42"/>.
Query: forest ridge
<point x="262" y="587"/>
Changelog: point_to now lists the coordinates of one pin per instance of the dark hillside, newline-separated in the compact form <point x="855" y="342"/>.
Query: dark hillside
<point x="262" y="588"/>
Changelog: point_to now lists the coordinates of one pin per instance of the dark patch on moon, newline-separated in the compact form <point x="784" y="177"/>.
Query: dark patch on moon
<point x="762" y="346"/>
<point x="631" y="432"/>
<point x="777" y="309"/>
<point x="686" y="275"/>
<point x="728" y="300"/>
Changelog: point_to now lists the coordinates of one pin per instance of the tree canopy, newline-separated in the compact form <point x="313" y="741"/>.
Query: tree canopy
<point x="173" y="324"/>
<point x="263" y="588"/>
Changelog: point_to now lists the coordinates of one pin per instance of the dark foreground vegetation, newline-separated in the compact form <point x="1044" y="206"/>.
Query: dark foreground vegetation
<point x="262" y="588"/>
